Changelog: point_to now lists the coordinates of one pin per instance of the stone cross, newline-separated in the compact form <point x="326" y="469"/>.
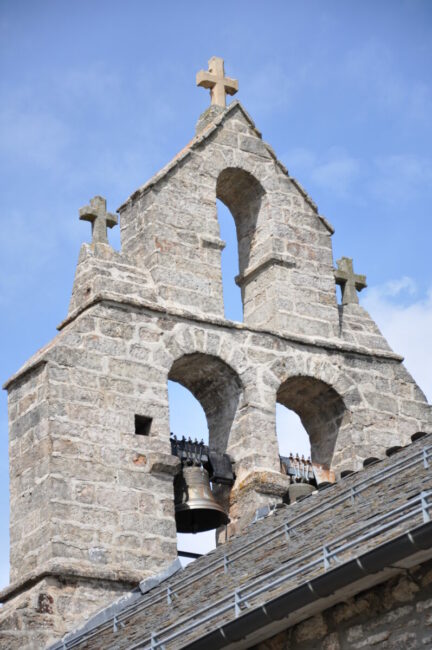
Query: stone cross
<point x="100" y="219"/>
<point x="215" y="79"/>
<point x="349" y="281"/>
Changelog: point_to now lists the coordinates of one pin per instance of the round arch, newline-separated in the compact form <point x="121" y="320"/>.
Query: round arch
<point x="216" y="386"/>
<point x="242" y="193"/>
<point x="321" y="409"/>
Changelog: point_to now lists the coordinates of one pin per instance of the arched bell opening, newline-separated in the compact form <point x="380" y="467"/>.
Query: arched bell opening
<point x="243" y="195"/>
<point x="291" y="434"/>
<point x="232" y="299"/>
<point x="187" y="418"/>
<point x="216" y="386"/>
<point x="199" y="506"/>
<point x="294" y="452"/>
<point x="321" y="410"/>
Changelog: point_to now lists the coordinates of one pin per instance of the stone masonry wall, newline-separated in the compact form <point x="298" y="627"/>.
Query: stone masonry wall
<point x="91" y="488"/>
<point x="31" y="476"/>
<point x="43" y="612"/>
<point x="394" y="616"/>
<point x="338" y="512"/>
<point x="108" y="488"/>
<point x="286" y="268"/>
<point x="101" y="268"/>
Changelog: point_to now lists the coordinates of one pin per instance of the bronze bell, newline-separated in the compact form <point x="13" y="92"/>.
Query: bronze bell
<point x="196" y="509"/>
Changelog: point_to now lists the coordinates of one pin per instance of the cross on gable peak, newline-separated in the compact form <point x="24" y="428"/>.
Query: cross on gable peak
<point x="349" y="281"/>
<point x="215" y="80"/>
<point x="99" y="218"/>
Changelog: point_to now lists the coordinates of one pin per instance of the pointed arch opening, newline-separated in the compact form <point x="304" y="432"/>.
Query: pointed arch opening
<point x="321" y="410"/>
<point x="242" y="194"/>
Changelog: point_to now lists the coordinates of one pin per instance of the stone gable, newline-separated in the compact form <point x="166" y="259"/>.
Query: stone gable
<point x="92" y="510"/>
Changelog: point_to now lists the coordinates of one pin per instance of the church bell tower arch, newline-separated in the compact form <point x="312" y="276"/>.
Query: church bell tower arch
<point x="321" y="410"/>
<point x="92" y="467"/>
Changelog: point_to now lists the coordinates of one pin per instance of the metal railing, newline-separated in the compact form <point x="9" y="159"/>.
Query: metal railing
<point x="284" y="530"/>
<point x="323" y="556"/>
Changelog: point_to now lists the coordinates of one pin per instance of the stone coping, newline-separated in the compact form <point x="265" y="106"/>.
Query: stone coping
<point x="277" y="259"/>
<point x="105" y="297"/>
<point x="201" y="137"/>
<point x="53" y="569"/>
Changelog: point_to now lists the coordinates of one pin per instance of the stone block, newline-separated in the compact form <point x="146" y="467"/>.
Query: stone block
<point x="89" y="491"/>
<point x="312" y="629"/>
<point x="254" y="146"/>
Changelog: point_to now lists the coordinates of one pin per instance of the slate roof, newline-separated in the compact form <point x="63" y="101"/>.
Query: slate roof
<point x="297" y="560"/>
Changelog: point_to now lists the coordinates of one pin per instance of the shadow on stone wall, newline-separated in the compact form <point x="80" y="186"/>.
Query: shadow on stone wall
<point x="216" y="386"/>
<point x="321" y="410"/>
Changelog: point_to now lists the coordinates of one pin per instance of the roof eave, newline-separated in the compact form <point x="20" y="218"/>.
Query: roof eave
<point x="243" y="631"/>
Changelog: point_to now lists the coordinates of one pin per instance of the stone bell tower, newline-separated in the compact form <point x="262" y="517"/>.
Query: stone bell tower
<point x="92" y="469"/>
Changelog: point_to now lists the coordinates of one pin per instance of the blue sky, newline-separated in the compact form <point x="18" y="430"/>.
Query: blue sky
<point x="97" y="95"/>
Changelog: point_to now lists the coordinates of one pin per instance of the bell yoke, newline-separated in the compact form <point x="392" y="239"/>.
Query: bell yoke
<point x="196" y="509"/>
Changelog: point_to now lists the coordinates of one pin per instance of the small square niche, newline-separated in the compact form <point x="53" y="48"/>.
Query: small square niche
<point x="142" y="425"/>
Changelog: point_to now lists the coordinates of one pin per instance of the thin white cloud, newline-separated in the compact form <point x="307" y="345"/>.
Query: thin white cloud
<point x="395" y="287"/>
<point x="370" y="72"/>
<point x="32" y="136"/>
<point x="34" y="244"/>
<point x="373" y="70"/>
<point x="92" y="85"/>
<point x="300" y="159"/>
<point x="268" y="88"/>
<point x="334" y="170"/>
<point x="337" y="174"/>
<point x="38" y="121"/>
<point x="396" y="178"/>
<point x="392" y="179"/>
<point x="406" y="322"/>
<point x="42" y="126"/>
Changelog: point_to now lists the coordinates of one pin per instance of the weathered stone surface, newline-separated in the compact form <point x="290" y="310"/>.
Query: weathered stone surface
<point x="312" y="629"/>
<point x="92" y="494"/>
<point x="34" y="618"/>
<point x="282" y="543"/>
<point x="373" y="619"/>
